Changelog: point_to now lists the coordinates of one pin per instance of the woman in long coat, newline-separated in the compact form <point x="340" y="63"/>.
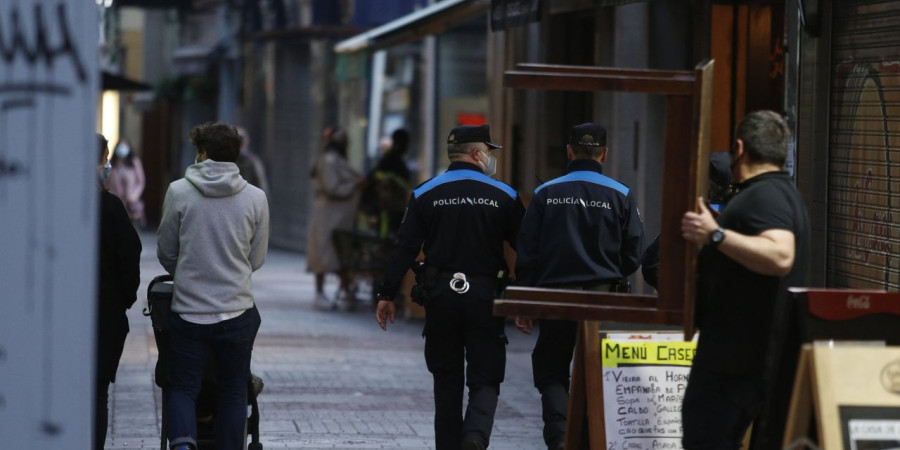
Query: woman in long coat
<point x="336" y="187"/>
<point x="127" y="181"/>
<point x="119" y="276"/>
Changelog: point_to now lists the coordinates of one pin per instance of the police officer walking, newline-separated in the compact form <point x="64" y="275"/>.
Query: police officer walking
<point x="581" y="231"/>
<point x="462" y="217"/>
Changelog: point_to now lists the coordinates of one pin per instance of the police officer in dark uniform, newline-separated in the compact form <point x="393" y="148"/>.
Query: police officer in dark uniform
<point x="581" y="231"/>
<point x="462" y="217"/>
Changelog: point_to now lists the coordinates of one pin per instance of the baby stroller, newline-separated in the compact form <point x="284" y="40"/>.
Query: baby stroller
<point x="159" y="300"/>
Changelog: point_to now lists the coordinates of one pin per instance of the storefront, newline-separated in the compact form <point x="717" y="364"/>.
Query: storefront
<point x="427" y="74"/>
<point x="849" y="98"/>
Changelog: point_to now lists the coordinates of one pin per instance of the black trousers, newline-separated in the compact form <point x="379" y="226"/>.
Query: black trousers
<point x="718" y="409"/>
<point x="550" y="363"/>
<point x="465" y="345"/>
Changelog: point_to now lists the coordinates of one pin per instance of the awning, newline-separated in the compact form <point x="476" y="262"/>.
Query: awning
<point x="434" y="19"/>
<point x="113" y="82"/>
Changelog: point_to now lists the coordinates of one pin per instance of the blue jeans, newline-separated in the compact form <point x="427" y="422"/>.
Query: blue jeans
<point x="229" y="344"/>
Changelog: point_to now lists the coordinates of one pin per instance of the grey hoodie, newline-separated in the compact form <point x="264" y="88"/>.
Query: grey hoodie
<point x="213" y="234"/>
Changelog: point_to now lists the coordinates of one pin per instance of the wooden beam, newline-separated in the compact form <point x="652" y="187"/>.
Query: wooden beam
<point x="579" y="311"/>
<point x="587" y="82"/>
<point x="684" y="75"/>
<point x="593" y="369"/>
<point x="701" y="136"/>
<point x="579" y="297"/>
<point x="576" y="417"/>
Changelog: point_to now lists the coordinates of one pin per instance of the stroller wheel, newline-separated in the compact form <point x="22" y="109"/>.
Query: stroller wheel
<point x="255" y="446"/>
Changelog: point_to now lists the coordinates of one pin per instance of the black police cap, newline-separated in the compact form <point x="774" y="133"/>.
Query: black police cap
<point x="588" y="134"/>
<point x="471" y="133"/>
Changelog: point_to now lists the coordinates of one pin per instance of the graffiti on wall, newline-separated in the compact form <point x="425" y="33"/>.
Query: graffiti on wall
<point x="34" y="45"/>
<point x="863" y="181"/>
<point x="48" y="191"/>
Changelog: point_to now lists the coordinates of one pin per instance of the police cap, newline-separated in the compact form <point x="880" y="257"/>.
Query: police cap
<point x="471" y="133"/>
<point x="588" y="134"/>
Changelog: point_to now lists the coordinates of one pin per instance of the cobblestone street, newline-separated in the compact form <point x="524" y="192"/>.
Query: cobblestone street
<point x="332" y="379"/>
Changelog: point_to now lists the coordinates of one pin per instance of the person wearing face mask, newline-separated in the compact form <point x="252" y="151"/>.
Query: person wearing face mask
<point x="752" y="252"/>
<point x="581" y="231"/>
<point x="127" y="181"/>
<point x="460" y="219"/>
<point x="119" y="276"/>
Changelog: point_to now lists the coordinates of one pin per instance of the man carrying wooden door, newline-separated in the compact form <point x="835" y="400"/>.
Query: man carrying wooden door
<point x="756" y="248"/>
<point x="581" y="231"/>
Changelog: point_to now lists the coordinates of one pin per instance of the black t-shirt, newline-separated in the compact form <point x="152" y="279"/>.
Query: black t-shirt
<point x="741" y="314"/>
<point x="460" y="219"/>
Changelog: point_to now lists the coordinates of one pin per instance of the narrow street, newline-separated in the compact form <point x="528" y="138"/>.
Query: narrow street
<point x="332" y="379"/>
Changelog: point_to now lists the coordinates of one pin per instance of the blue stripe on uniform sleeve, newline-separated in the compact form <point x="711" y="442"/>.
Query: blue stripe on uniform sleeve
<point x="459" y="175"/>
<point x="588" y="176"/>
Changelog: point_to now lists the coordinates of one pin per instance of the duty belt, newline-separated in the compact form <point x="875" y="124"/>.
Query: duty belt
<point x="459" y="281"/>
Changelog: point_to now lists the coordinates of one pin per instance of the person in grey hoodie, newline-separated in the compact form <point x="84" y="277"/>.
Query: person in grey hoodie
<point x="213" y="234"/>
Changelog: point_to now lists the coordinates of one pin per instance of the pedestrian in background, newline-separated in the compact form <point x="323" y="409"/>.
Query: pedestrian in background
<point x="127" y="181"/>
<point x="119" y="276"/>
<point x="336" y="186"/>
<point x="387" y="187"/>
<point x="581" y="231"/>
<point x="213" y="235"/>
<point x="249" y="164"/>
<point x="752" y="252"/>
<point x="462" y="217"/>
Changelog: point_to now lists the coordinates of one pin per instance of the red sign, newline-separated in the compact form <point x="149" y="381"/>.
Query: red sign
<point x="835" y="304"/>
<point x="470" y="119"/>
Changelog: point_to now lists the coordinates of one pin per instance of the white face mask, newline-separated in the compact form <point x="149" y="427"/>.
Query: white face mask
<point x="123" y="150"/>
<point x="103" y="171"/>
<point x="490" y="167"/>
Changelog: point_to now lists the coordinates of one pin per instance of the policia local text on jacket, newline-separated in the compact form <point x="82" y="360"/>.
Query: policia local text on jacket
<point x="585" y="223"/>
<point x="462" y="217"/>
<point x="581" y="231"/>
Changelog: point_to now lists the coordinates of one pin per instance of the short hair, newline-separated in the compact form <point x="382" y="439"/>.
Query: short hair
<point x="455" y="150"/>
<point x="337" y="140"/>
<point x="765" y="135"/>
<point x="219" y="140"/>
<point x="400" y="140"/>
<point x="587" y="151"/>
<point x="103" y="145"/>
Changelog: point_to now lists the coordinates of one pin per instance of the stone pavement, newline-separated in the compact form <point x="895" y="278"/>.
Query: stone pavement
<point x="332" y="379"/>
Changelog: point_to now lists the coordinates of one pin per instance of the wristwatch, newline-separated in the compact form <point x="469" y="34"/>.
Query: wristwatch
<point x="716" y="237"/>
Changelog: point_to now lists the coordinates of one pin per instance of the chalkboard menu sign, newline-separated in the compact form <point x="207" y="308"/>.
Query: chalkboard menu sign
<point x="643" y="388"/>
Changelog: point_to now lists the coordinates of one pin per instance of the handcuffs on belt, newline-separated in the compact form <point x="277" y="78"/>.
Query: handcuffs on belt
<point x="459" y="284"/>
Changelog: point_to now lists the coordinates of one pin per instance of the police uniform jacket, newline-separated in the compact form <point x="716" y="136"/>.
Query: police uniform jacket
<point x="462" y="217"/>
<point x="581" y="228"/>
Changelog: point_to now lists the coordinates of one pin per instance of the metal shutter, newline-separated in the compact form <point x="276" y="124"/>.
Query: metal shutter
<point x="864" y="164"/>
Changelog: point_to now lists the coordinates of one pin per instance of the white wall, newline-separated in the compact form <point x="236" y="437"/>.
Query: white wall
<point x="48" y="201"/>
